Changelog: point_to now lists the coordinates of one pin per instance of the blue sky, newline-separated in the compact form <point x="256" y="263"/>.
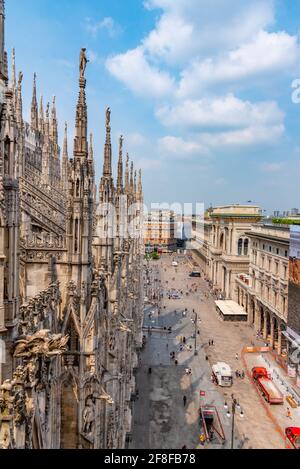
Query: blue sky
<point x="200" y="90"/>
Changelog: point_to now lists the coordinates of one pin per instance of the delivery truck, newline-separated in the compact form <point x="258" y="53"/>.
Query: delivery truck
<point x="293" y="437"/>
<point x="267" y="387"/>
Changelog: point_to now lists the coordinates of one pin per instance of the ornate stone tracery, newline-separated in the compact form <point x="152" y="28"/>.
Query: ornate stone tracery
<point x="64" y="290"/>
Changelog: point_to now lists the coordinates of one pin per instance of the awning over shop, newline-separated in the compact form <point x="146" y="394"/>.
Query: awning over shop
<point x="231" y="311"/>
<point x="292" y="337"/>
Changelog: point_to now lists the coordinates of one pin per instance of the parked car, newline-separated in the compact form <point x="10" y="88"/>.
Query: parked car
<point x="195" y="274"/>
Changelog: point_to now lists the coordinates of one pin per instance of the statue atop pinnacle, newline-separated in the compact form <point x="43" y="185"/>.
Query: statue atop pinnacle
<point x="83" y="63"/>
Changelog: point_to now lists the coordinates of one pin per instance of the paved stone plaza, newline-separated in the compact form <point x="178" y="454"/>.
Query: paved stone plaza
<point x="160" y="419"/>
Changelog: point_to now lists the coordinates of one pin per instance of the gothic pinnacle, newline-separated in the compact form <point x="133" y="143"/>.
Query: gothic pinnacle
<point x="107" y="169"/>
<point x="41" y="116"/>
<point x="3" y="55"/>
<point x="65" y="150"/>
<point x="91" y="148"/>
<point x="140" y="186"/>
<point x="120" y="165"/>
<point x="81" y="138"/>
<point x="19" y="106"/>
<point x="13" y="70"/>
<point x="127" y="175"/>
<point x="131" y="178"/>
<point x="47" y="121"/>
<point x="54" y="132"/>
<point x="135" y="183"/>
<point x="34" y="106"/>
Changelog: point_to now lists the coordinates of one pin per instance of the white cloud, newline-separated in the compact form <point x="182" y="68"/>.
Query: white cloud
<point x="272" y="167"/>
<point x="198" y="45"/>
<point x="227" y="112"/>
<point x="176" y="147"/>
<point x="148" y="163"/>
<point x="265" y="54"/>
<point x="136" y="139"/>
<point x="93" y="56"/>
<point x="189" y="28"/>
<point x="133" y="69"/>
<point x="65" y="63"/>
<point x="107" y="23"/>
<point x="252" y="135"/>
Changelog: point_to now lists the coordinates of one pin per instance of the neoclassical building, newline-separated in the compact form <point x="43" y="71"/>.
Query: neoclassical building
<point x="264" y="291"/>
<point x="247" y="260"/>
<point x="223" y="244"/>
<point x="70" y="278"/>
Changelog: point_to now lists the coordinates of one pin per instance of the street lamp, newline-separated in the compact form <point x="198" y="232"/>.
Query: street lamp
<point x="234" y="407"/>
<point x="196" y="327"/>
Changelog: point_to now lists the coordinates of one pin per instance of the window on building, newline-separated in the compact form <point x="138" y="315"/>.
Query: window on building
<point x="286" y="254"/>
<point x="240" y="247"/>
<point x="246" y="247"/>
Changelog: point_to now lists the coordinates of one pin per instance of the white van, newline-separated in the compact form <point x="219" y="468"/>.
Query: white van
<point x="175" y="264"/>
<point x="222" y="374"/>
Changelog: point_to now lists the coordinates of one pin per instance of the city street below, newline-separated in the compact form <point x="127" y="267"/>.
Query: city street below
<point x="170" y="390"/>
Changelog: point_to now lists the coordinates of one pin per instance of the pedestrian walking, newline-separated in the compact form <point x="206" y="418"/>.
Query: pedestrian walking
<point x="149" y="371"/>
<point x="184" y="401"/>
<point x="288" y="413"/>
<point x="236" y="356"/>
<point x="212" y="342"/>
<point x="176" y="362"/>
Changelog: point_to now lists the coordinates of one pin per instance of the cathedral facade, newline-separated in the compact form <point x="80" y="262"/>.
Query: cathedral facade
<point x="71" y="278"/>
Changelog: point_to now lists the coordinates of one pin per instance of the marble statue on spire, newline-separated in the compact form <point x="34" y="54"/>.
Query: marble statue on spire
<point x="108" y="115"/>
<point x="83" y="62"/>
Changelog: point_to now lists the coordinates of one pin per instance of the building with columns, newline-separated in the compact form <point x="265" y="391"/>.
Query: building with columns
<point x="71" y="302"/>
<point x="247" y="261"/>
<point x="223" y="244"/>
<point x="263" y="292"/>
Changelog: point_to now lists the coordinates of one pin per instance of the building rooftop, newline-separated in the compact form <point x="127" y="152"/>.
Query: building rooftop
<point x="268" y="230"/>
<point x="236" y="210"/>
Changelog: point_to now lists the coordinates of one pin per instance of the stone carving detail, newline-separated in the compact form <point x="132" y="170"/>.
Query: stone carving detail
<point x="88" y="417"/>
<point x="83" y="63"/>
<point x="64" y="291"/>
<point x="39" y="309"/>
<point x="41" y="343"/>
